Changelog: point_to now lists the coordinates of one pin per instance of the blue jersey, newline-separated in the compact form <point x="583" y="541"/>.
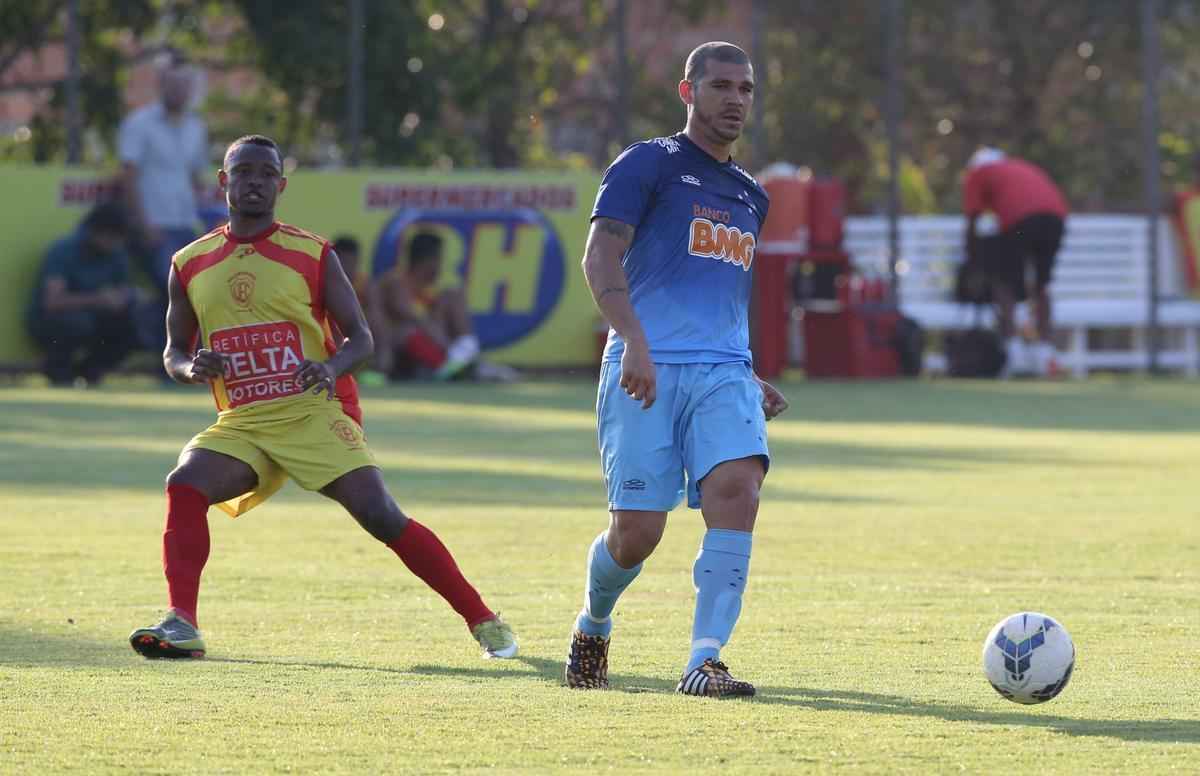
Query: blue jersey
<point x="696" y="223"/>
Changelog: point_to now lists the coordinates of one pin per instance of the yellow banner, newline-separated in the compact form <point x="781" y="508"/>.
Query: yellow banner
<point x="513" y="239"/>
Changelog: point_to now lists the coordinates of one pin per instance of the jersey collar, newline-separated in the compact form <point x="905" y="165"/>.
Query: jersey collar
<point x="229" y="235"/>
<point x="687" y="141"/>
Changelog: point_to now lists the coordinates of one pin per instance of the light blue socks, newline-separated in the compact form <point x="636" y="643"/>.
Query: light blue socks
<point x="720" y="576"/>
<point x="605" y="583"/>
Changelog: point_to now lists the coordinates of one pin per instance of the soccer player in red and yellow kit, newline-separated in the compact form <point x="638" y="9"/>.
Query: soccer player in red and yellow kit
<point x="251" y="308"/>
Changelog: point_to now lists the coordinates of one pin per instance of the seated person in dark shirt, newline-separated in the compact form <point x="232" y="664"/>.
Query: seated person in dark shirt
<point x="350" y="254"/>
<point x="82" y="311"/>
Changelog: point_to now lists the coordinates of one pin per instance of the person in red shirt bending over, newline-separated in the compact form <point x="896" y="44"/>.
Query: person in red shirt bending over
<point x="1030" y="210"/>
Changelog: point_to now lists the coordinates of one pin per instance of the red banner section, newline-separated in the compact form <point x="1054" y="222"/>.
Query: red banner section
<point x="1187" y="224"/>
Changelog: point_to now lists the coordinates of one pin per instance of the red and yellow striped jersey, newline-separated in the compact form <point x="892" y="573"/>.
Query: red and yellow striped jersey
<point x="261" y="301"/>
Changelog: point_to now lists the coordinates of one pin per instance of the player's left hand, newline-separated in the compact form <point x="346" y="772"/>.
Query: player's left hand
<point x="316" y="375"/>
<point x="773" y="401"/>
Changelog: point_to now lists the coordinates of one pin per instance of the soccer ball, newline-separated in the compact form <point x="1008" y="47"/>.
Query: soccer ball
<point x="1028" y="657"/>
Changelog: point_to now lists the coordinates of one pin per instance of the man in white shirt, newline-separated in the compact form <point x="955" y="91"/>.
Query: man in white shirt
<point x="164" y="152"/>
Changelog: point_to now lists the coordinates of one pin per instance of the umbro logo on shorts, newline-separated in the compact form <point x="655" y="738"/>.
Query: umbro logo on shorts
<point x="633" y="485"/>
<point x="692" y="179"/>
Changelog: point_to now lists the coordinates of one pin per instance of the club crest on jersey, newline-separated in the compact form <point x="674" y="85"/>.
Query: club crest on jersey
<point x="724" y="243"/>
<point x="241" y="288"/>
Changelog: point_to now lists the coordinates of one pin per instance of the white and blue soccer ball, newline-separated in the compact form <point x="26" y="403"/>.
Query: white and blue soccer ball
<point x="1028" y="657"/>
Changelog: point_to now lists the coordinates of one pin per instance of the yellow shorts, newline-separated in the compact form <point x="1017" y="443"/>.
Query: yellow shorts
<point x="314" y="442"/>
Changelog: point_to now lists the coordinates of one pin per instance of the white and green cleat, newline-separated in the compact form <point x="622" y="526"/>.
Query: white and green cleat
<point x="496" y="637"/>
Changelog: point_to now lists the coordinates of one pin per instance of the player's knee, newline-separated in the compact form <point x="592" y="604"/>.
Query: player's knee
<point x="737" y="498"/>
<point x="180" y="475"/>
<point x="383" y="520"/>
<point x="631" y="541"/>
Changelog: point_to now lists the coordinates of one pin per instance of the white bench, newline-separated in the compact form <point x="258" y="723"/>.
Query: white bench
<point x="1101" y="282"/>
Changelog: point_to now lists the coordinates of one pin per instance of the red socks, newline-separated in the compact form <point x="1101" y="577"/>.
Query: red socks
<point x="424" y="349"/>
<point x="429" y="559"/>
<point x="186" y="544"/>
<point x="185" y="547"/>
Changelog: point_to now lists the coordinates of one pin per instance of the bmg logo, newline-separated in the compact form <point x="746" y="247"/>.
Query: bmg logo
<point x="721" y="242"/>
<point x="511" y="262"/>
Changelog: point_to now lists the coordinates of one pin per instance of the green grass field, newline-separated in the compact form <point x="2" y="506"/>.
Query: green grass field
<point x="899" y="522"/>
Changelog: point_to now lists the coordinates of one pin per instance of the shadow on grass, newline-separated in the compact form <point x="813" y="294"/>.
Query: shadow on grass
<point x="304" y="664"/>
<point x="26" y="646"/>
<point x="551" y="672"/>
<point x="547" y="670"/>
<point x="1162" y="730"/>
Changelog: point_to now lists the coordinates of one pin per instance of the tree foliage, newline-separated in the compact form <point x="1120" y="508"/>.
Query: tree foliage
<point x="28" y="25"/>
<point x="538" y="83"/>
<point x="1055" y="82"/>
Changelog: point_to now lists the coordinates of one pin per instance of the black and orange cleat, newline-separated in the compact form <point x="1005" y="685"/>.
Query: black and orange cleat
<point x="587" y="662"/>
<point x="174" y="637"/>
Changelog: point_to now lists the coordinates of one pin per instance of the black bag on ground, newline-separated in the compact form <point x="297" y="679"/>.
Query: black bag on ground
<point x="972" y="284"/>
<point x="974" y="353"/>
<point x="908" y="340"/>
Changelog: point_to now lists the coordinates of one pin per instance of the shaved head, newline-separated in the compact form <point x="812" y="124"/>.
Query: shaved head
<point x="716" y="51"/>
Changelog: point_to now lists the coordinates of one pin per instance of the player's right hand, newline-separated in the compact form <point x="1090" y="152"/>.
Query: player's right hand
<point x="207" y="365"/>
<point x="637" y="373"/>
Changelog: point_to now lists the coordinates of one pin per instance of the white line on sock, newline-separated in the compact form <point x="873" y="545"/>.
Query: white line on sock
<point x="706" y="644"/>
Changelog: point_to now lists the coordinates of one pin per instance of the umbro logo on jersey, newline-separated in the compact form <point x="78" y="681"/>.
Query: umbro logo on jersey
<point x="692" y="179"/>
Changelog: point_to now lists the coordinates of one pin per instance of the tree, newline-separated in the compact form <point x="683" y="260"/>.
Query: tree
<point x="1067" y="96"/>
<point x="27" y="26"/>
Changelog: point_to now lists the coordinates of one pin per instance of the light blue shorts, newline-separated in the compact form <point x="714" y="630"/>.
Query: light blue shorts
<point x="704" y="414"/>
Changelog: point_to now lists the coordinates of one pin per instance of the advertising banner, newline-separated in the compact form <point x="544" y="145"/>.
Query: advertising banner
<point x="513" y="240"/>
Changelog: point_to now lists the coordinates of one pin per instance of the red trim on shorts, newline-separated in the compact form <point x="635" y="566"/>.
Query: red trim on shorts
<point x="346" y="387"/>
<point x="198" y="264"/>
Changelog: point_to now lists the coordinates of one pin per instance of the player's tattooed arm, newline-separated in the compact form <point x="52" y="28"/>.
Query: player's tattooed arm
<point x="612" y="290"/>
<point x="608" y="241"/>
<point x="623" y="236"/>
<point x="612" y="226"/>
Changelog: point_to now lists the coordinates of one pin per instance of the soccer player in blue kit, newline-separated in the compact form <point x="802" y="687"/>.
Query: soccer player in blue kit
<point x="668" y="261"/>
